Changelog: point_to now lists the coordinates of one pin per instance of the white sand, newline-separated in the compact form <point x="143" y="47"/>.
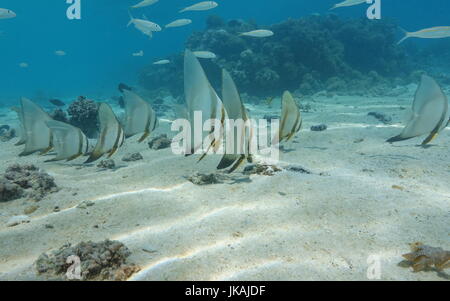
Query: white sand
<point x="287" y="227"/>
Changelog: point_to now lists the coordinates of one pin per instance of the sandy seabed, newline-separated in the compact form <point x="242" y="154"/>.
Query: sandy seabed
<point x="372" y="199"/>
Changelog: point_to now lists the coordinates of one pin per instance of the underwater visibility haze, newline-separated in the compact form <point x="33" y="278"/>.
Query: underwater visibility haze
<point x="224" y="140"/>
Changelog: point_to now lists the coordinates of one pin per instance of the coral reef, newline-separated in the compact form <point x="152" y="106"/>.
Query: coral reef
<point x="9" y="191"/>
<point x="105" y="260"/>
<point x="6" y="133"/>
<point x="59" y="115"/>
<point x="309" y="54"/>
<point x="26" y="180"/>
<point x="83" y="114"/>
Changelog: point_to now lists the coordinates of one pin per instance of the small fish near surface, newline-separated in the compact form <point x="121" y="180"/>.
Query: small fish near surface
<point x="205" y="5"/>
<point x="205" y="54"/>
<point x="161" y="62"/>
<point x="7" y="13"/>
<point x="138" y="54"/>
<point x="144" y="3"/>
<point x="60" y="53"/>
<point x="260" y="33"/>
<point x="348" y="3"/>
<point x="179" y="23"/>
<point x="439" y="32"/>
<point x="145" y="26"/>
<point x="57" y="102"/>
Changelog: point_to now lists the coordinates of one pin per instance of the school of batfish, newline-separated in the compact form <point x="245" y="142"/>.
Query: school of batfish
<point x="40" y="133"/>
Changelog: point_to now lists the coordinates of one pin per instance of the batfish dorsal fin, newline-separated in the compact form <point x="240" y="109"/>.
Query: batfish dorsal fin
<point x="37" y="136"/>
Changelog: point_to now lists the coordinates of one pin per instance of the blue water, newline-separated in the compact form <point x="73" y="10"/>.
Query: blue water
<point x="99" y="46"/>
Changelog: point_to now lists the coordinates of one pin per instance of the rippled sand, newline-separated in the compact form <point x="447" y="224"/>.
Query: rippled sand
<point x="374" y="199"/>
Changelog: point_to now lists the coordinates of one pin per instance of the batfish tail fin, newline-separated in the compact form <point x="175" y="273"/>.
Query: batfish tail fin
<point x="131" y="19"/>
<point x="407" y="35"/>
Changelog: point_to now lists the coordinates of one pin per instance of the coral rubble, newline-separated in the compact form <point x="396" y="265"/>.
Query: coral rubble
<point x="6" y="133"/>
<point x="26" y="180"/>
<point x="423" y="257"/>
<point x="106" y="260"/>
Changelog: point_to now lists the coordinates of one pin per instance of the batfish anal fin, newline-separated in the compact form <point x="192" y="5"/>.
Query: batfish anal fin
<point x="227" y="161"/>
<point x="145" y="136"/>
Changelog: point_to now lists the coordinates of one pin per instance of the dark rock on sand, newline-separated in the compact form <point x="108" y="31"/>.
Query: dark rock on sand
<point x="102" y="261"/>
<point x="319" y="128"/>
<point x="132" y="157"/>
<point x="205" y="179"/>
<point x="261" y="169"/>
<point x="160" y="142"/>
<point x="107" y="164"/>
<point x="381" y="117"/>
